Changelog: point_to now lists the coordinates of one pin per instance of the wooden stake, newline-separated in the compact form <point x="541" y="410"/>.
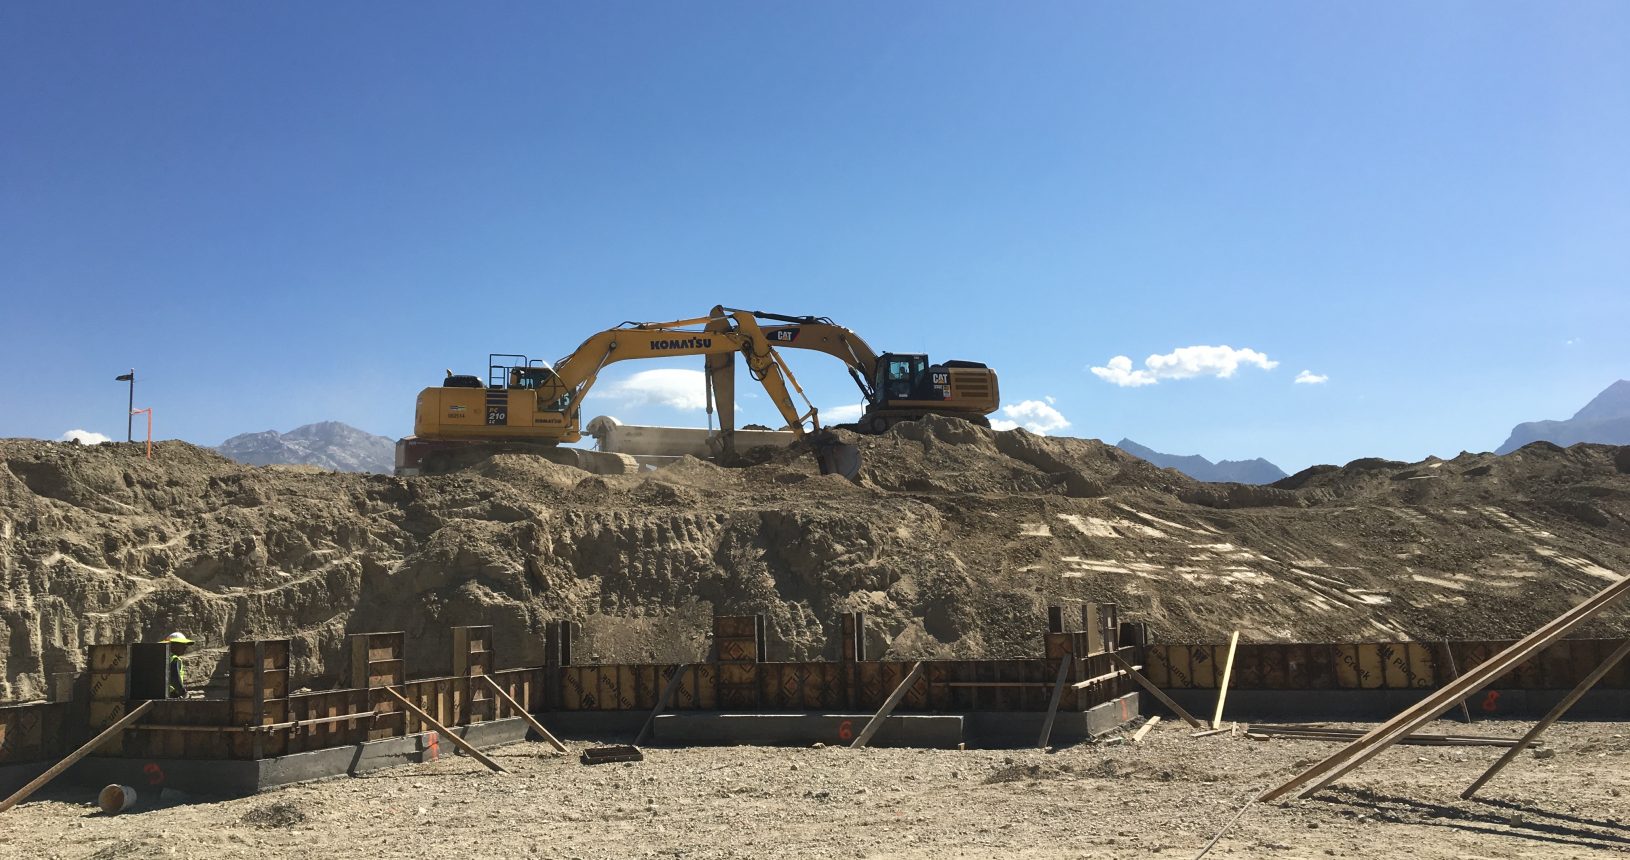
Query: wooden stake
<point x="876" y="722"/>
<point x="1555" y="714"/>
<point x="56" y="769"/>
<point x="1228" y="671"/>
<point x="1058" y="695"/>
<point x="445" y="732"/>
<point x="1405" y="723"/>
<point x="662" y="703"/>
<point x="1155" y="691"/>
<point x="1454" y="675"/>
<point x="530" y="720"/>
<point x="1137" y="736"/>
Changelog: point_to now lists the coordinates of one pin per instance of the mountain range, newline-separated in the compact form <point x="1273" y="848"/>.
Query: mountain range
<point x="326" y="444"/>
<point x="343" y="448"/>
<point x="1257" y="471"/>
<point x="1605" y="419"/>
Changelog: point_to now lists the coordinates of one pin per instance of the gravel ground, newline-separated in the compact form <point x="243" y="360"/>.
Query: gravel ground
<point x="1165" y="797"/>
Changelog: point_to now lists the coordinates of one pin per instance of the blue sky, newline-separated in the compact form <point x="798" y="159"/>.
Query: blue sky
<point x="296" y="212"/>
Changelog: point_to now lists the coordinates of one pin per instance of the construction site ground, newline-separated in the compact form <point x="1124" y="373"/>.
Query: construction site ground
<point x="952" y="542"/>
<point x="1164" y="797"/>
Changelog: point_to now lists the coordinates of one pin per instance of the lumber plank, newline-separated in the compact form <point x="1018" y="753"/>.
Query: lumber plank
<point x="1207" y="733"/>
<point x="34" y="785"/>
<point x="1413" y="740"/>
<point x="1405" y="723"/>
<point x="1082" y="685"/>
<point x="1454" y="675"/>
<point x="662" y="702"/>
<point x="1228" y="672"/>
<point x="1137" y="736"/>
<point x="894" y="699"/>
<point x="530" y="720"/>
<point x="1059" y="684"/>
<point x="1155" y="691"/>
<point x="445" y="732"/>
<point x="1556" y="714"/>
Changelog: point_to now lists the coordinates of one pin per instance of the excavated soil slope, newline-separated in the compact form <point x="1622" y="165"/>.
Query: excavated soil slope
<point x="952" y="540"/>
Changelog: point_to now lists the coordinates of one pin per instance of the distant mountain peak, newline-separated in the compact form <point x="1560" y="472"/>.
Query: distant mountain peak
<point x="1255" y="471"/>
<point x="1605" y="419"/>
<point x="1613" y="402"/>
<point x="326" y="444"/>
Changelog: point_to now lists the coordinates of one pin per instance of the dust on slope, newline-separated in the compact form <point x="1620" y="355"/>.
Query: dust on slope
<point x="951" y="542"/>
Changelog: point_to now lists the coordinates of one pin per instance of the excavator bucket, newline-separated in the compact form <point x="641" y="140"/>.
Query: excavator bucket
<point x="835" y="456"/>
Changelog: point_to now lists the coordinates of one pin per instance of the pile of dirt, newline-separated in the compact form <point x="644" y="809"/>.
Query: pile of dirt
<point x="278" y="815"/>
<point x="952" y="541"/>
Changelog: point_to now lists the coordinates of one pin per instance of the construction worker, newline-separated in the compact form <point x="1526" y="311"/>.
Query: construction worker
<point x="179" y="643"/>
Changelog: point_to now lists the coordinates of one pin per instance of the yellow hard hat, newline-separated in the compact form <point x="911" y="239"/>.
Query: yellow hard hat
<point x="178" y="638"/>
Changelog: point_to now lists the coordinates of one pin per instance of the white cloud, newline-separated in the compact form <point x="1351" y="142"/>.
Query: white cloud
<point x="1308" y="377"/>
<point x="1033" y="415"/>
<point x="1182" y="363"/>
<point x="84" y="437"/>
<point x="673" y="387"/>
<point x="845" y="414"/>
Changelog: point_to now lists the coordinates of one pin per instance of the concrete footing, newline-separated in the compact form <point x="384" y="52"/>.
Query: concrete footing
<point x="980" y="728"/>
<point x="1000" y="729"/>
<point x="901" y="730"/>
<point x="229" y="777"/>
<point x="15" y="776"/>
<point x="1375" y="705"/>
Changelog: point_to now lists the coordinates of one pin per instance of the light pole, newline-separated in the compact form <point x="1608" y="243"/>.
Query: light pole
<point x="130" y="419"/>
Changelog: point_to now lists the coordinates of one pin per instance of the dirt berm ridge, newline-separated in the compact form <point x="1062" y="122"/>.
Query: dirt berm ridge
<point x="952" y="540"/>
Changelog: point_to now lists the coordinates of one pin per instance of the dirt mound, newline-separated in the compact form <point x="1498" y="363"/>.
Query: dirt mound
<point x="279" y="815"/>
<point x="529" y="472"/>
<point x="953" y="539"/>
<point x="687" y="471"/>
<point x="947" y="455"/>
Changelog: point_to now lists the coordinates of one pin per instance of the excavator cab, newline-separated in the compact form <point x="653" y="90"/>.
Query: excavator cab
<point x="528" y="374"/>
<point x="529" y="378"/>
<point x="909" y="377"/>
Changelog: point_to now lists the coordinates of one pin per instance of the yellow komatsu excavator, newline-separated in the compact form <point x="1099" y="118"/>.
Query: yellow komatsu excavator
<point x="896" y="386"/>
<point x="530" y="406"/>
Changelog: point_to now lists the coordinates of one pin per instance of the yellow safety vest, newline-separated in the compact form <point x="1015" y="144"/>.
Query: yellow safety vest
<point x="180" y="673"/>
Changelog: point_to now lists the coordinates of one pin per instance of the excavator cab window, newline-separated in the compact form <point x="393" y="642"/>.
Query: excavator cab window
<point x="903" y="376"/>
<point x="539" y="379"/>
<point x="529" y="378"/>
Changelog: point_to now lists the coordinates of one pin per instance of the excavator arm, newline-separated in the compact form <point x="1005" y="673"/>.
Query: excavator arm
<point x="896" y="387"/>
<point x="575" y="374"/>
<point x="820" y="334"/>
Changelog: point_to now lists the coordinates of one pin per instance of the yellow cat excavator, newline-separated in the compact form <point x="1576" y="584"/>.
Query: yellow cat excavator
<point x="896" y="386"/>
<point x="530" y="406"/>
